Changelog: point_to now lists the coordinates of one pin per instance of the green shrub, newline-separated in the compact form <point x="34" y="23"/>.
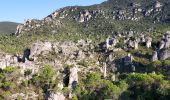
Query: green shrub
<point x="92" y="77"/>
<point x="166" y="62"/>
<point x="10" y="69"/>
<point x="157" y="63"/>
<point x="66" y="91"/>
<point x="4" y="95"/>
<point x="27" y="72"/>
<point x="26" y="83"/>
<point x="47" y="74"/>
<point x="74" y="97"/>
<point x="83" y="63"/>
<point x="8" y="85"/>
<point x="139" y="78"/>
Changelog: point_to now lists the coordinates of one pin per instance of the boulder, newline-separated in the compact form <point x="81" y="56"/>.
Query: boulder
<point x="113" y="78"/>
<point x="164" y="54"/>
<point x="7" y="60"/>
<point x="148" y="42"/>
<point x="19" y="29"/>
<point x="161" y="44"/>
<point x="40" y="48"/>
<point x="111" y="42"/>
<point x="128" y="60"/>
<point x="55" y="96"/>
<point x="73" y="78"/>
<point x="154" y="56"/>
<point x="68" y="48"/>
<point x="84" y="16"/>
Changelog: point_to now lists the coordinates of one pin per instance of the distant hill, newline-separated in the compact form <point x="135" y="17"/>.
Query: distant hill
<point x="7" y="27"/>
<point x="109" y="17"/>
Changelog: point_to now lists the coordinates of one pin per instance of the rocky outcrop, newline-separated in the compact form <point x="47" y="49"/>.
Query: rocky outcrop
<point x="165" y="41"/>
<point x="111" y="43"/>
<point x="30" y="96"/>
<point x="73" y="80"/>
<point x="148" y="42"/>
<point x="164" y="54"/>
<point x="128" y="60"/>
<point x="40" y="48"/>
<point x="154" y="56"/>
<point x="55" y="96"/>
<point x="84" y="16"/>
<point x="68" y="48"/>
<point x="19" y="29"/>
<point x="7" y="60"/>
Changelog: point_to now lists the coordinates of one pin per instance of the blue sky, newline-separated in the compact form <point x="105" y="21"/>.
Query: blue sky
<point x="20" y="10"/>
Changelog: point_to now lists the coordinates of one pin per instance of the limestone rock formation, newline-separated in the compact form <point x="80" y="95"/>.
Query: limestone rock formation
<point x="148" y="42"/>
<point x="84" y="16"/>
<point x="40" y="48"/>
<point x="162" y="44"/>
<point x="55" y="96"/>
<point x="111" y="43"/>
<point x="19" y="29"/>
<point x="128" y="60"/>
<point x="73" y="78"/>
<point x="164" y="54"/>
<point x="7" y="60"/>
<point x="154" y="56"/>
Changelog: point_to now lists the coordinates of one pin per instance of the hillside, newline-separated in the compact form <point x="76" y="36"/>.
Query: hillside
<point x="8" y="27"/>
<point x="116" y="50"/>
<point x="112" y="16"/>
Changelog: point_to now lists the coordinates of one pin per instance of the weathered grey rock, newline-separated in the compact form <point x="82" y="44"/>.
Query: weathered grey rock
<point x="68" y="48"/>
<point x="132" y="44"/>
<point x="162" y="44"/>
<point x="81" y="55"/>
<point x="19" y="29"/>
<point x="136" y="45"/>
<point x="29" y="96"/>
<point x="143" y="40"/>
<point x="81" y="18"/>
<point x="73" y="78"/>
<point x="128" y="60"/>
<point x="167" y="39"/>
<point x="158" y="6"/>
<point x="133" y="68"/>
<point x="84" y="16"/>
<point x="113" y="77"/>
<point x="164" y="54"/>
<point x="40" y="48"/>
<point x="148" y="42"/>
<point x="7" y="60"/>
<point x="104" y="70"/>
<point x="111" y="42"/>
<point x="154" y="56"/>
<point x="55" y="96"/>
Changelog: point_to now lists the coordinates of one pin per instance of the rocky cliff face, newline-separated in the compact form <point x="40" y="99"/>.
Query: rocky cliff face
<point x="153" y="12"/>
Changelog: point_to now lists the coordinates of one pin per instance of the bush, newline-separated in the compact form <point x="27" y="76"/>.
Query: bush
<point x="92" y="77"/>
<point x="9" y="69"/>
<point x="27" y="72"/>
<point x="8" y="85"/>
<point x="157" y="63"/>
<point x="74" y="98"/>
<point x="83" y="63"/>
<point x="139" y="78"/>
<point x="66" y="91"/>
<point x="47" y="74"/>
<point x="166" y="62"/>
